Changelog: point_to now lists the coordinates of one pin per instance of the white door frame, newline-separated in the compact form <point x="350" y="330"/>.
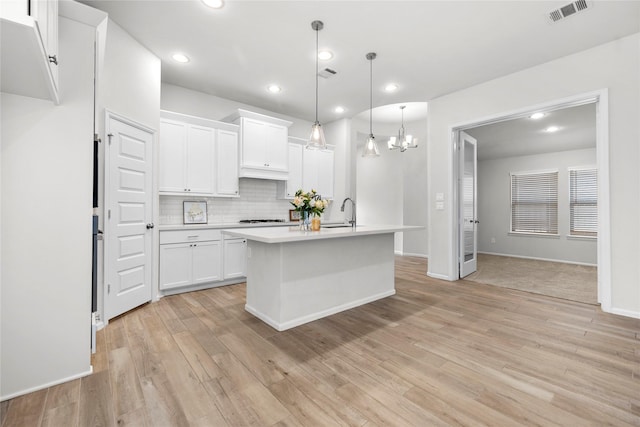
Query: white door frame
<point x="601" y="99"/>
<point x="154" y="212"/>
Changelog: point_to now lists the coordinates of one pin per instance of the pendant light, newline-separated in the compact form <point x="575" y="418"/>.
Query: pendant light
<point x="316" y="139"/>
<point x="370" y="146"/>
<point x="402" y="141"/>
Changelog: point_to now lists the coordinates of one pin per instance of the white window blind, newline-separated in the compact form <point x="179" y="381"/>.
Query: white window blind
<point x="583" y="202"/>
<point x="534" y="202"/>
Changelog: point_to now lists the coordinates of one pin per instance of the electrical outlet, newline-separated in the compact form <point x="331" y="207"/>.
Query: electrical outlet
<point x="493" y="240"/>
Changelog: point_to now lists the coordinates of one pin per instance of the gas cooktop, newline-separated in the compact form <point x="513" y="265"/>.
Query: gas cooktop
<point x="254" y="221"/>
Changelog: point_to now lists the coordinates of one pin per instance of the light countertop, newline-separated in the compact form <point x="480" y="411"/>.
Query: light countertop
<point x="294" y="234"/>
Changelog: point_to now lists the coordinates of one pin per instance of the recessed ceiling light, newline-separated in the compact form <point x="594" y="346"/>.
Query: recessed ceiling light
<point x="274" y="88"/>
<point x="552" y="129"/>
<point x="339" y="110"/>
<point x="215" y="4"/>
<point x="325" y="55"/>
<point x="391" y="87"/>
<point x="536" y="116"/>
<point x="180" y="57"/>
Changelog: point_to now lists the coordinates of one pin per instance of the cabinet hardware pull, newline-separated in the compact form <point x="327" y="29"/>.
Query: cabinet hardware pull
<point x="53" y="59"/>
<point x="150" y="226"/>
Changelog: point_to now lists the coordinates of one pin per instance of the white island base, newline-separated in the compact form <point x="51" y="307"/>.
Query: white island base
<point x="292" y="283"/>
<point x="295" y="277"/>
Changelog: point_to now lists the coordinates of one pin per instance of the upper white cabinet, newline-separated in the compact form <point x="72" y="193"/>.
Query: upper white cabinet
<point x="227" y="163"/>
<point x="29" y="48"/>
<point x="317" y="172"/>
<point x="197" y="156"/>
<point x="186" y="158"/>
<point x="263" y="145"/>
<point x="287" y="189"/>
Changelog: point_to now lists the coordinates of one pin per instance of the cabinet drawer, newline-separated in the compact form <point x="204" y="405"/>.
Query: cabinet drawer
<point x="179" y="236"/>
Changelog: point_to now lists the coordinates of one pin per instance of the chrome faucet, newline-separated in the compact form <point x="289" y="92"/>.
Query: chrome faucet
<point x="353" y="210"/>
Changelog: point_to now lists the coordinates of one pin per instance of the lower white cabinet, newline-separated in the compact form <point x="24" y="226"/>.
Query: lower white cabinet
<point x="190" y="258"/>
<point x="196" y="257"/>
<point x="235" y="258"/>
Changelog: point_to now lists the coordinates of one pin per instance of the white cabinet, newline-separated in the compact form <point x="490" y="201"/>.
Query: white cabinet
<point x="317" y="172"/>
<point x="197" y="156"/>
<point x="263" y="145"/>
<point x="227" y="164"/>
<point x="235" y="258"/>
<point x="190" y="258"/>
<point x="29" y="48"/>
<point x="287" y="189"/>
<point x="186" y="158"/>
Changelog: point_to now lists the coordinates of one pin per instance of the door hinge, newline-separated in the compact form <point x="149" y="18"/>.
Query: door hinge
<point x="109" y="214"/>
<point x="96" y="138"/>
<point x="109" y="136"/>
<point x="109" y="288"/>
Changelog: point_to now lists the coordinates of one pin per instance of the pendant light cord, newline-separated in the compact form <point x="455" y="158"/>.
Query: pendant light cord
<point x="371" y="96"/>
<point x="317" y="48"/>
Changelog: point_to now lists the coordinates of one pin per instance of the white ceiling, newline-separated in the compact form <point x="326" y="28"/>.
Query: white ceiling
<point x="525" y="136"/>
<point x="429" y="48"/>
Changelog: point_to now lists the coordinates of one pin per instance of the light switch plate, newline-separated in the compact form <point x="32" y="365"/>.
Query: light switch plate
<point x="440" y="197"/>
<point x="439" y="206"/>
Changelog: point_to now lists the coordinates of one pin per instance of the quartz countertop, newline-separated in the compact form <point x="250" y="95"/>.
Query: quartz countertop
<point x="169" y="227"/>
<point x="294" y="234"/>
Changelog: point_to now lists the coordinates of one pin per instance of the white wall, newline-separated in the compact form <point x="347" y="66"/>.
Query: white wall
<point x="46" y="225"/>
<point x="338" y="134"/>
<point x="129" y="85"/>
<point x="614" y="66"/>
<point x="392" y="188"/>
<point x="199" y="104"/>
<point x="494" y="208"/>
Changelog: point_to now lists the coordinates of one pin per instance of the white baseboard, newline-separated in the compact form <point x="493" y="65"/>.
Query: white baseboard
<point x="625" y="312"/>
<point x="416" y="255"/>
<point x="47" y="385"/>
<point x="441" y="276"/>
<point x="540" y="259"/>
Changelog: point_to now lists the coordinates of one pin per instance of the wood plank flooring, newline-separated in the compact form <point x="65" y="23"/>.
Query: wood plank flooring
<point x="435" y="354"/>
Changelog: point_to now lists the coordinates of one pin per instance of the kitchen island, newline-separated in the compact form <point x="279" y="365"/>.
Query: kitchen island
<point x="295" y="277"/>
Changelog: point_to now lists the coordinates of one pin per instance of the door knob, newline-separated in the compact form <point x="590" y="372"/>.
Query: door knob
<point x="150" y="226"/>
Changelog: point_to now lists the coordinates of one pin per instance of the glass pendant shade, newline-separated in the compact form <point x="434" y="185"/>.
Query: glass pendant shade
<point x="316" y="139"/>
<point x="370" y="147"/>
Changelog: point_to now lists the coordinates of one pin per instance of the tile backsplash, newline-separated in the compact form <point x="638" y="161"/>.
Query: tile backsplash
<point x="258" y="200"/>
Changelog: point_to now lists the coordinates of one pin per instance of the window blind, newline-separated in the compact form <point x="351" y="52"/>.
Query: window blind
<point x="583" y="202"/>
<point x="534" y="202"/>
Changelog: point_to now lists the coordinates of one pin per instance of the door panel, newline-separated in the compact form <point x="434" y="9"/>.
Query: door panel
<point x="129" y="242"/>
<point x="467" y="191"/>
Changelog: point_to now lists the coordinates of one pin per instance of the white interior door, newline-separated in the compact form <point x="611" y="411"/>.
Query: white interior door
<point x="128" y="216"/>
<point x="467" y="190"/>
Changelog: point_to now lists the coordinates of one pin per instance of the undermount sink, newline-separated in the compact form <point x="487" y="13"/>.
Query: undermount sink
<point x="337" y="226"/>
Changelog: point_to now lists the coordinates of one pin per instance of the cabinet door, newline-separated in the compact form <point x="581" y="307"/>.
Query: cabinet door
<point x="173" y="140"/>
<point x="254" y="149"/>
<point x="45" y="12"/>
<point x="324" y="161"/>
<point x="277" y="151"/>
<point x="207" y="261"/>
<point x="175" y="265"/>
<point x="235" y="258"/>
<point x="294" y="183"/>
<point x="310" y="170"/>
<point x="227" y="163"/>
<point x="199" y="165"/>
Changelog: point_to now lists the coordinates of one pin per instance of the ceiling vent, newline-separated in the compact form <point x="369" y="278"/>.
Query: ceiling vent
<point x="569" y="9"/>
<point x="327" y="72"/>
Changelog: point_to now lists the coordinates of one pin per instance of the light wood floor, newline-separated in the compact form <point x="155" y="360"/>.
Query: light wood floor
<point x="437" y="353"/>
<point x="555" y="279"/>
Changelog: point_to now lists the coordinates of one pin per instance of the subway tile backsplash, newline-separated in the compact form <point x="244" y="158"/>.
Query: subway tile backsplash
<point x="258" y="200"/>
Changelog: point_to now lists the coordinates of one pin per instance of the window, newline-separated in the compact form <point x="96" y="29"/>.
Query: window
<point x="534" y="202"/>
<point x="583" y="202"/>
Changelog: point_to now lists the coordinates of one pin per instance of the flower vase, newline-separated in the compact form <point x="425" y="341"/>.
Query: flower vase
<point x="315" y="223"/>
<point x="305" y="223"/>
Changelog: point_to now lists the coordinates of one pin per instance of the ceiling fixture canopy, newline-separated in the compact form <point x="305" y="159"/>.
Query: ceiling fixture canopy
<point x="316" y="139"/>
<point x="370" y="146"/>
<point x="402" y="141"/>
